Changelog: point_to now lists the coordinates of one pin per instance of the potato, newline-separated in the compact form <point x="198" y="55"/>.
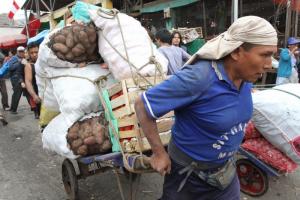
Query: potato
<point x="72" y="135"/>
<point x="80" y="59"/>
<point x="70" y="41"/>
<point x="86" y="130"/>
<point x="76" y="144"/>
<point x="82" y="35"/>
<point x="100" y="138"/>
<point x="78" y="50"/>
<point x="82" y="150"/>
<point x="60" y="56"/>
<point x="69" y="56"/>
<point x="91" y="49"/>
<point x="97" y="129"/>
<point x="76" y="29"/>
<point x="59" y="38"/>
<point x="59" y="47"/>
<point x="93" y="149"/>
<point x="92" y="34"/>
<point x="106" y="146"/>
<point x="75" y="127"/>
<point x="75" y="38"/>
<point x="65" y="31"/>
<point x="90" y="140"/>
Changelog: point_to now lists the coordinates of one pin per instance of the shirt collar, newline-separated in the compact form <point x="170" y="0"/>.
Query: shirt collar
<point x="222" y="75"/>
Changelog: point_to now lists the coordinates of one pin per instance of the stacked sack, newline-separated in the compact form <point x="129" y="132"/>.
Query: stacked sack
<point x="265" y="151"/>
<point x="89" y="136"/>
<point x="76" y="43"/>
<point x="276" y="116"/>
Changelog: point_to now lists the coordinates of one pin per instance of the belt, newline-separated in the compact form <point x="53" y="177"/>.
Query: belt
<point x="191" y="165"/>
<point x="183" y="159"/>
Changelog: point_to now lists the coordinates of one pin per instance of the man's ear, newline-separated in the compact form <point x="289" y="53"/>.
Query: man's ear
<point x="235" y="55"/>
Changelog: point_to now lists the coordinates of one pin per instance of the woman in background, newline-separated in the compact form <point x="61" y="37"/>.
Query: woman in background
<point x="177" y="40"/>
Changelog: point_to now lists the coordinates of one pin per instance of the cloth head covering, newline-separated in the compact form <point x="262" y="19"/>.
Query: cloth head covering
<point x="249" y="29"/>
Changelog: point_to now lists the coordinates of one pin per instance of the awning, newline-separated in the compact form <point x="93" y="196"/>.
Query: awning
<point x="160" y="6"/>
<point x="12" y="41"/>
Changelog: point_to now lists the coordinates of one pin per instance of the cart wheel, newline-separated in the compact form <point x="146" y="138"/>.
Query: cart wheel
<point x="253" y="181"/>
<point x="69" y="179"/>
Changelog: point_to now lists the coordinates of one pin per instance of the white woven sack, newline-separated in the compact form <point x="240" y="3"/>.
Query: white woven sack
<point x="276" y="116"/>
<point x="77" y="96"/>
<point x="137" y="42"/>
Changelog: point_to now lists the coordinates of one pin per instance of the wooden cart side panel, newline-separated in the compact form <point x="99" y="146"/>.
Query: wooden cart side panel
<point x="129" y="134"/>
<point x="165" y="138"/>
<point x="114" y="89"/>
<point x="117" y="102"/>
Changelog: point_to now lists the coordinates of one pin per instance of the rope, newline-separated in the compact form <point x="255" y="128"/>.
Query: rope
<point x="152" y="60"/>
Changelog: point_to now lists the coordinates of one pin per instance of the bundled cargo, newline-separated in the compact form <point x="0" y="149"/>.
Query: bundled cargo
<point x="276" y="116"/>
<point x="89" y="136"/>
<point x="269" y="154"/>
<point x="126" y="46"/>
<point x="76" y="43"/>
<point x="68" y="93"/>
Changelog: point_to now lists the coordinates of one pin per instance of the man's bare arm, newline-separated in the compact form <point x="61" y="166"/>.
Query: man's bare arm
<point x="160" y="160"/>
<point x="28" y="82"/>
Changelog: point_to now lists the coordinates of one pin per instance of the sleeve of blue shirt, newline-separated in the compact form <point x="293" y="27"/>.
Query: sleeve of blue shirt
<point x="178" y="91"/>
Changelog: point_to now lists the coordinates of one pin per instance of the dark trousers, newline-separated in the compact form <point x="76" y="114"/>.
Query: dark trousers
<point x="4" y="96"/>
<point x="17" y="93"/>
<point x="195" y="188"/>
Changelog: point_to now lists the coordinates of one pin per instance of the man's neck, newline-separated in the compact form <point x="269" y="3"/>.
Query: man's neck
<point x="232" y="75"/>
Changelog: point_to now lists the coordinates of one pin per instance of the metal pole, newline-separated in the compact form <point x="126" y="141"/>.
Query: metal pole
<point x="235" y="10"/>
<point x="287" y="21"/>
<point x="296" y="19"/>
<point x="26" y="23"/>
<point x="37" y="6"/>
<point x="204" y="19"/>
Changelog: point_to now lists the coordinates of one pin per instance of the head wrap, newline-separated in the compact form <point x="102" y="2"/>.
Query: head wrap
<point x="249" y="29"/>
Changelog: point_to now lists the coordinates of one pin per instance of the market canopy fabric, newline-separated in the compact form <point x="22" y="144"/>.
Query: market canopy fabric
<point x="12" y="41"/>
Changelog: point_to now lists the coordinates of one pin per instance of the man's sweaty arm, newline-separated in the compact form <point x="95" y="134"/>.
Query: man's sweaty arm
<point x="160" y="160"/>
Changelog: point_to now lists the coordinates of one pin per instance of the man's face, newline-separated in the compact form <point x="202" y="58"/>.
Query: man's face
<point x="21" y="54"/>
<point x="252" y="63"/>
<point x="33" y="53"/>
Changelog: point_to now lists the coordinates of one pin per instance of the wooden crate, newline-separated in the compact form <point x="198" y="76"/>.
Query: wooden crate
<point x="122" y="96"/>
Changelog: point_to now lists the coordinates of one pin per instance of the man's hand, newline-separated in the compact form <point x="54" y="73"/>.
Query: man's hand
<point x="161" y="163"/>
<point x="23" y="85"/>
<point x="37" y="99"/>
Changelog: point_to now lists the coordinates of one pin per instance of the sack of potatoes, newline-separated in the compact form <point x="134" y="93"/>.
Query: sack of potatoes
<point x="89" y="136"/>
<point x="76" y="43"/>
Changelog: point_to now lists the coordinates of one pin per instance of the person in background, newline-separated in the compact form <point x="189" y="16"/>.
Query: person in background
<point x="16" y="70"/>
<point x="212" y="102"/>
<point x="287" y="72"/>
<point x="177" y="40"/>
<point x="3" y="91"/>
<point x="30" y="81"/>
<point x="175" y="55"/>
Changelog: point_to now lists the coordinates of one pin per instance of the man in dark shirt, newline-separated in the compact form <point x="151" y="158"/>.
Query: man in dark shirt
<point x="30" y="81"/>
<point x="16" y="70"/>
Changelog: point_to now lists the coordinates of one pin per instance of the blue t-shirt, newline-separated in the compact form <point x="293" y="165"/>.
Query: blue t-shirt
<point x="210" y="112"/>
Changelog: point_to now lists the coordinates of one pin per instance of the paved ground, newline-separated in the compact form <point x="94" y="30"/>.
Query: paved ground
<point x="27" y="172"/>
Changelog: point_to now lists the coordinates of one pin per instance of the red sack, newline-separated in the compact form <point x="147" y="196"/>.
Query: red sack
<point x="266" y="152"/>
<point x="251" y="131"/>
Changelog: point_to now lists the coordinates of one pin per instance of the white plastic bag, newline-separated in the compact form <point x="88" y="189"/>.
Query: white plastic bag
<point x="277" y="116"/>
<point x="137" y="46"/>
